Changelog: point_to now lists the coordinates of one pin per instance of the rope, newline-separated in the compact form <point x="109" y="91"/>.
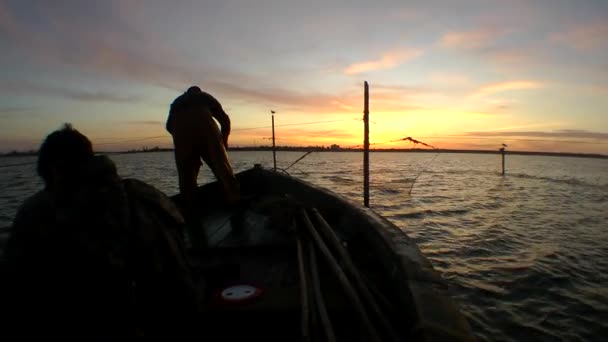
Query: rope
<point x="297" y="160"/>
<point x="423" y="170"/>
<point x="416" y="142"/>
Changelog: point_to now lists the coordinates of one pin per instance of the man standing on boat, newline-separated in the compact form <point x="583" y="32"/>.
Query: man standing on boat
<point x="195" y="136"/>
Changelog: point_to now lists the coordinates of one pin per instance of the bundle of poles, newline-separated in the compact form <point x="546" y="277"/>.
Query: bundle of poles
<point x="317" y="240"/>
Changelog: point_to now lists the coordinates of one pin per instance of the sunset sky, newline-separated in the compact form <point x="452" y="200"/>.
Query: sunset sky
<point x="455" y="74"/>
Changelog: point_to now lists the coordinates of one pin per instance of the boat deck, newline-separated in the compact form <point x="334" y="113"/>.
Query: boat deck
<point x="255" y="245"/>
<point x="243" y="226"/>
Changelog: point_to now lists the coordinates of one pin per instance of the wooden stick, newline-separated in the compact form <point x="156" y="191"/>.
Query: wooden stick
<point x="352" y="271"/>
<point x="274" y="151"/>
<point x="366" y="144"/>
<point x="303" y="292"/>
<point x="346" y="285"/>
<point x="379" y="296"/>
<point x="314" y="329"/>
<point x="318" y="297"/>
<point x="502" y="152"/>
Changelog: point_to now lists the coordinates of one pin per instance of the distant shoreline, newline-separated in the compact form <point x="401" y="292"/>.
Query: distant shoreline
<point x="325" y="149"/>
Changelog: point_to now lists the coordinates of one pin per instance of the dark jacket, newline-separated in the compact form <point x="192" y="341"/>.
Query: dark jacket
<point x="104" y="260"/>
<point x="197" y="104"/>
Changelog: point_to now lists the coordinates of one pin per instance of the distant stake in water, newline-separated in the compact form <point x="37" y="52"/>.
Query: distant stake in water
<point x="502" y="152"/>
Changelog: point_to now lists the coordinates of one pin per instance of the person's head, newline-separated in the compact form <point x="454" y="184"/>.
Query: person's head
<point x="194" y="90"/>
<point x="61" y="154"/>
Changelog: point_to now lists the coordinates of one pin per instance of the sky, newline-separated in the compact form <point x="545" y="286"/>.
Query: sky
<point x="454" y="74"/>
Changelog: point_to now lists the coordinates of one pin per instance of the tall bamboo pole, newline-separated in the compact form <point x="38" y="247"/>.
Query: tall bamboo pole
<point x="366" y="146"/>
<point x="347" y="286"/>
<point x="274" y="151"/>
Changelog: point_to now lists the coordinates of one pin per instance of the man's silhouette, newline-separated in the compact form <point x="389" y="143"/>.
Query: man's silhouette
<point x="195" y="136"/>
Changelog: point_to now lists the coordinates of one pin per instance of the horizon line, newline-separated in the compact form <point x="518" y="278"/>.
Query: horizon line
<point x="322" y="148"/>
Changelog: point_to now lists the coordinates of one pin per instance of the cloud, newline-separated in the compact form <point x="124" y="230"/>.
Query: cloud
<point x="309" y="133"/>
<point x="506" y="86"/>
<point x="281" y="96"/>
<point x="342" y="105"/>
<point x="107" y="49"/>
<point x="304" y="136"/>
<point x="498" y="105"/>
<point x="470" y="40"/>
<point x="30" y="89"/>
<point x="387" y="61"/>
<point x="450" y="78"/>
<point x="566" y="133"/>
<point x="114" y="50"/>
<point x="587" y="36"/>
<point x="93" y="38"/>
<point x="8" y="25"/>
<point x="145" y="122"/>
<point x="9" y="112"/>
<point x="515" y="57"/>
<point x="405" y="89"/>
<point x="487" y="45"/>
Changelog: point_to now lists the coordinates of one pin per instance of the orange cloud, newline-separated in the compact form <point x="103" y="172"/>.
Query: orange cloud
<point x="562" y="133"/>
<point x="450" y="78"/>
<point x="342" y="105"/>
<point x="470" y="39"/>
<point x="506" y="86"/>
<point x="290" y="99"/>
<point x="387" y="61"/>
<point x="515" y="58"/>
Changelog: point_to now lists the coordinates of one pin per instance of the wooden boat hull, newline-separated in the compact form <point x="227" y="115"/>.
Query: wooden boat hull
<point x="259" y="243"/>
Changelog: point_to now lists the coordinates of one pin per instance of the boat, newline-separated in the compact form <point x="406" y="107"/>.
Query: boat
<point x="294" y="261"/>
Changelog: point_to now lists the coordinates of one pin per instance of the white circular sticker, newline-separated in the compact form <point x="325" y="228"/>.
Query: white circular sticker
<point x="239" y="292"/>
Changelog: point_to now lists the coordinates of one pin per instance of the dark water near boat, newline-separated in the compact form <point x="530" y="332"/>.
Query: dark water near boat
<point x="525" y="255"/>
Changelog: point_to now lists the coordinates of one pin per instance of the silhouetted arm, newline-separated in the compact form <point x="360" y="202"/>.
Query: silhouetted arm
<point x="220" y="115"/>
<point x="170" y="118"/>
<point x="180" y="104"/>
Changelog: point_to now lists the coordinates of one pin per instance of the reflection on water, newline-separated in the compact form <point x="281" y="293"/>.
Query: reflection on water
<point x="525" y="255"/>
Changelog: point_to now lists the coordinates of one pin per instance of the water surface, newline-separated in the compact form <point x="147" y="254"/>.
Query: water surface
<point x="525" y="255"/>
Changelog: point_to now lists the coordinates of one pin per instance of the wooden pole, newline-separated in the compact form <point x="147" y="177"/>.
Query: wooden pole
<point x="274" y="151"/>
<point x="349" y="267"/>
<point x="347" y="286"/>
<point x="317" y="294"/>
<point x="303" y="292"/>
<point x="502" y="153"/>
<point x="366" y="145"/>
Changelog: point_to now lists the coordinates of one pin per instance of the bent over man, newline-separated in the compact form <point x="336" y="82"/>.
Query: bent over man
<point x="195" y="136"/>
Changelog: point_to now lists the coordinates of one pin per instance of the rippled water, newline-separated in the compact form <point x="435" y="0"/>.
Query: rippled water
<point x="525" y="255"/>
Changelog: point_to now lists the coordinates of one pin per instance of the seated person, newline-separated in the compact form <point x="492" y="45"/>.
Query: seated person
<point x="93" y="255"/>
